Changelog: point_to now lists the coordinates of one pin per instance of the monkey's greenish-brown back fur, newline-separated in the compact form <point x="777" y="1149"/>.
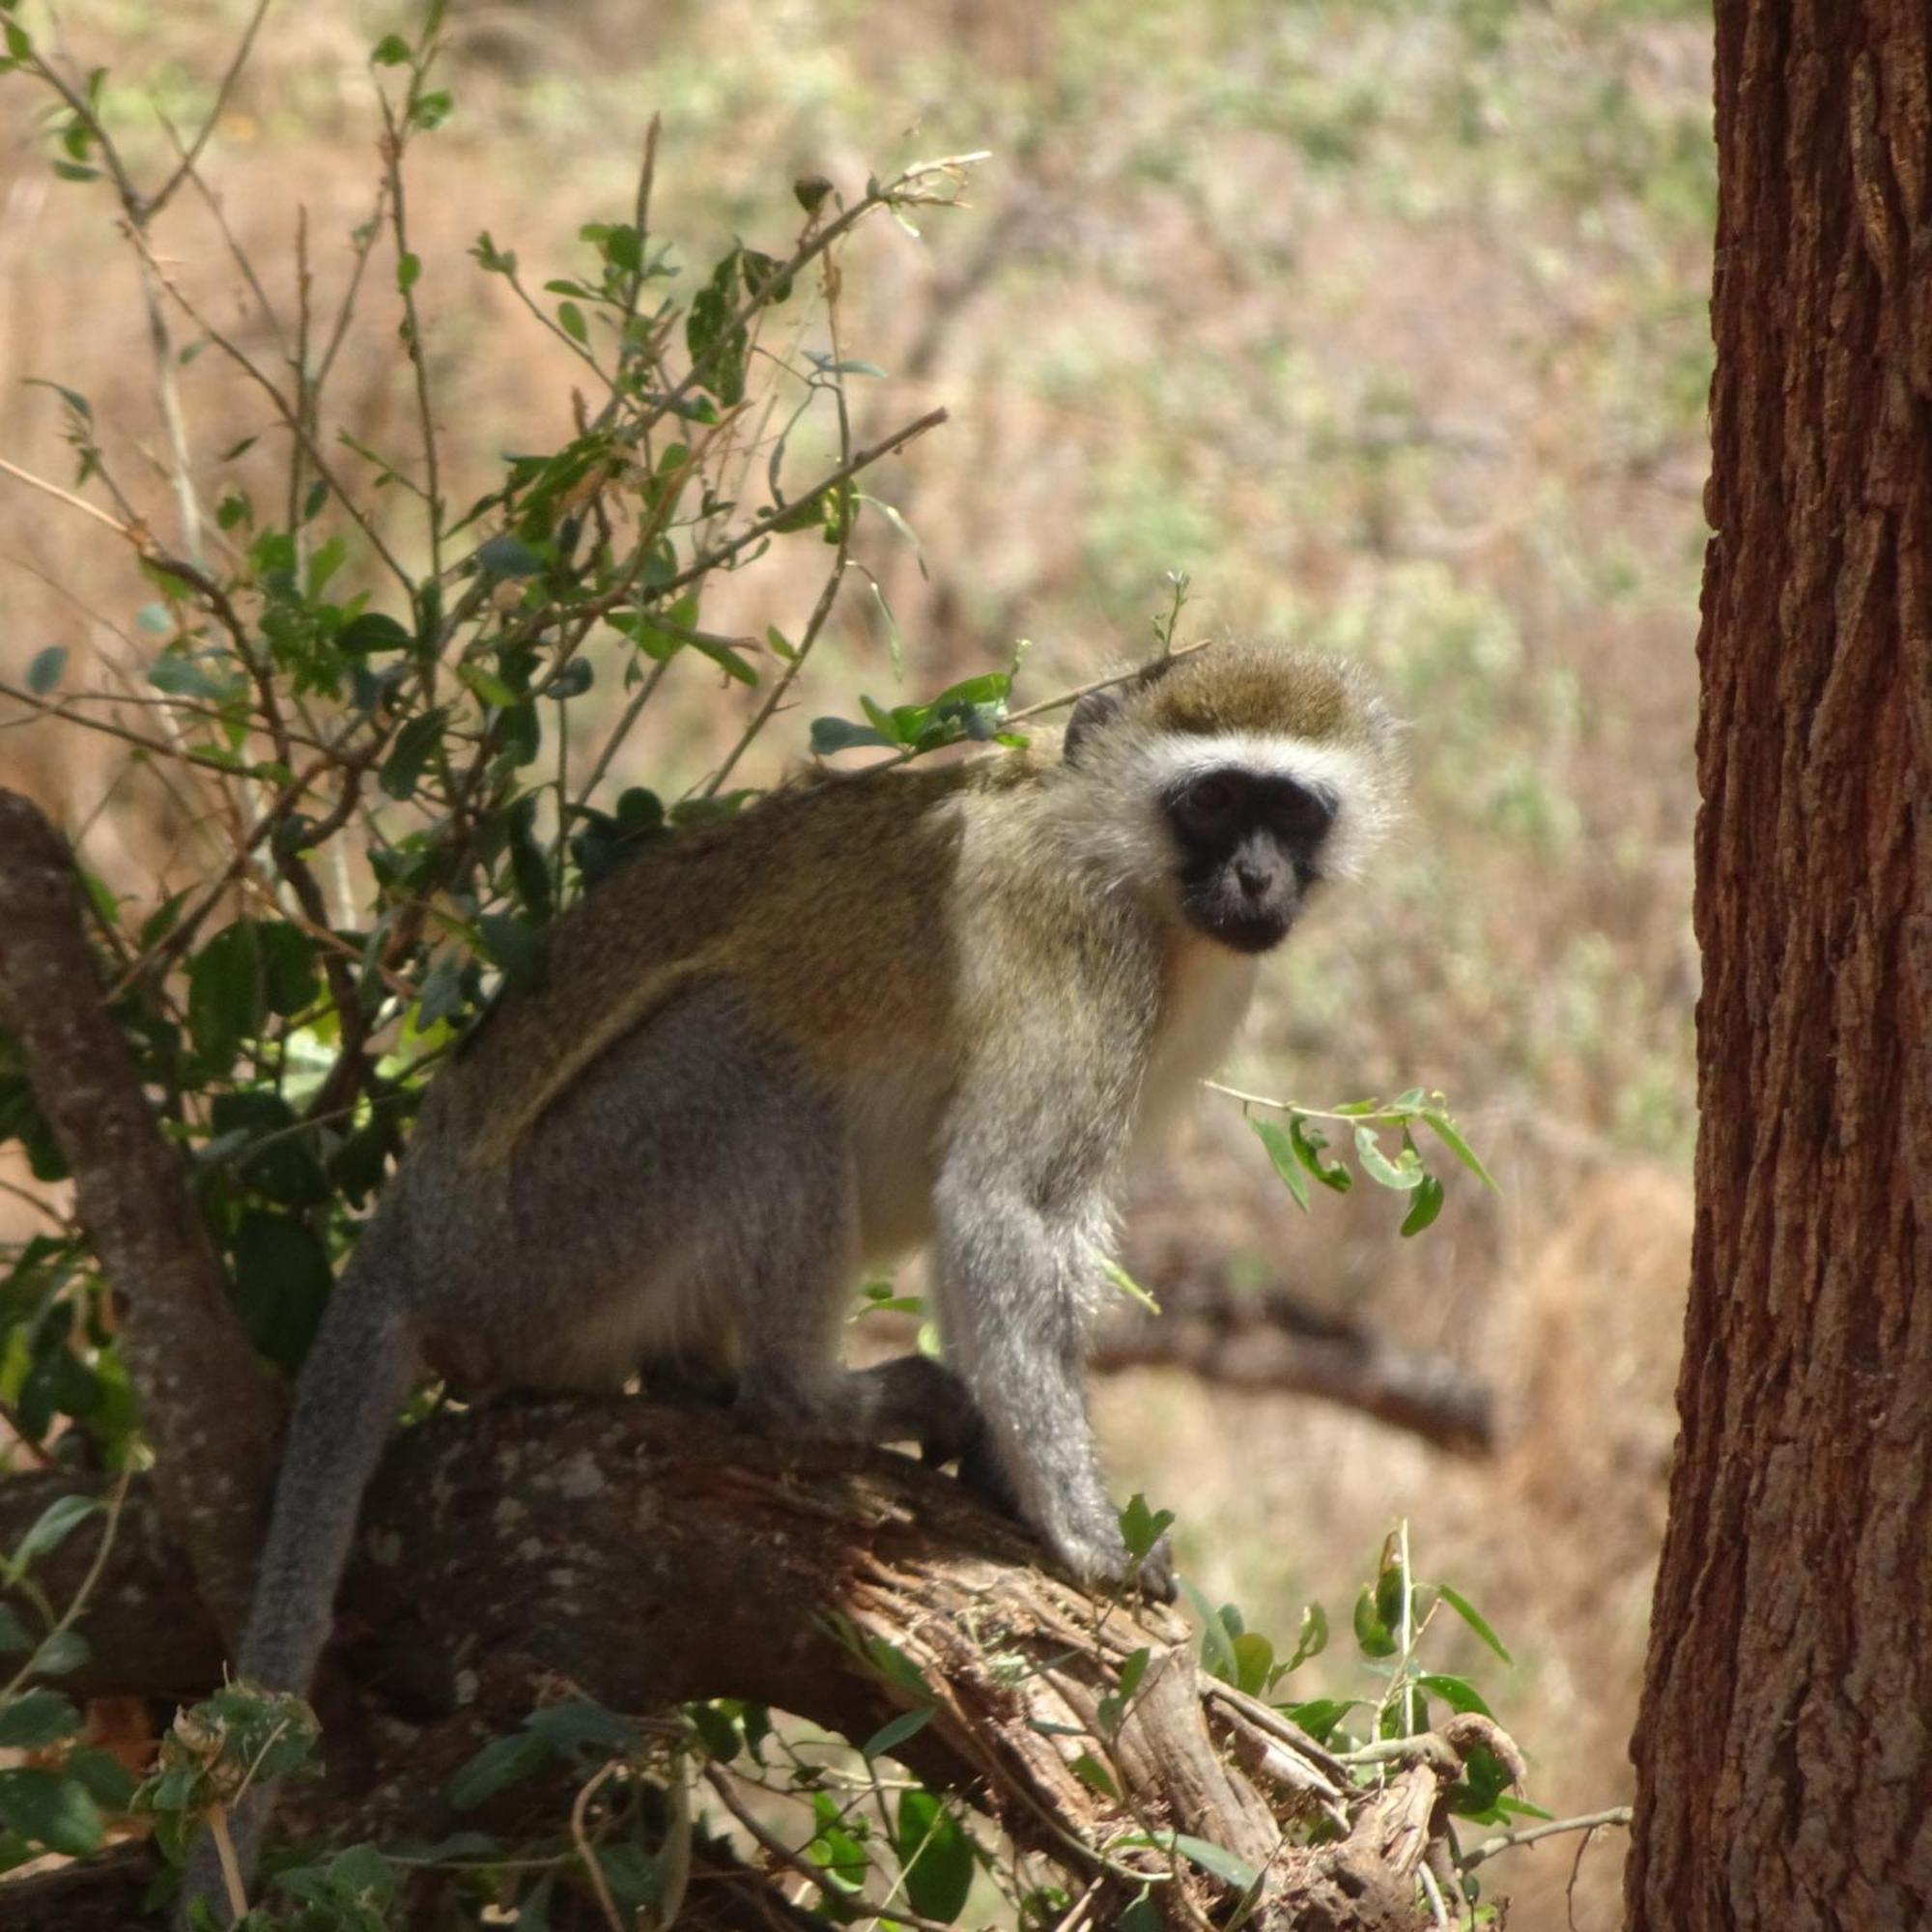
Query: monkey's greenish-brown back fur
<point x="793" y="901"/>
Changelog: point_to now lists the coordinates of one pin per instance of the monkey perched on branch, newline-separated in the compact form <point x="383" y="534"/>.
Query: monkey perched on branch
<point x="935" y="1005"/>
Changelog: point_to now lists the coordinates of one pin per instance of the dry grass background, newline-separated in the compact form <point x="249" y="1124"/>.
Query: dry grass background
<point x="1382" y="318"/>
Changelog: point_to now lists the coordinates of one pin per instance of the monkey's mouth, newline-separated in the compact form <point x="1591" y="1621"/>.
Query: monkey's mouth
<point x="1242" y="924"/>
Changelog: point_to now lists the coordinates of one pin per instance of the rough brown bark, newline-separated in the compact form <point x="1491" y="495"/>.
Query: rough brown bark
<point x="208" y="1410"/>
<point x="1784" y="1744"/>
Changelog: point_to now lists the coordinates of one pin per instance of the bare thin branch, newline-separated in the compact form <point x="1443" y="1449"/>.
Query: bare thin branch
<point x="161" y="198"/>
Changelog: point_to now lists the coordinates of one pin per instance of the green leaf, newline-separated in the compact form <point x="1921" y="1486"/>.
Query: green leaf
<point x="724" y="658"/>
<point x="762" y="277"/>
<point x="282" y="1280"/>
<point x="402" y="769"/>
<point x="36" y="1720"/>
<point x="573" y="680"/>
<point x="1521" y="1808"/>
<point x="1230" y="1867"/>
<point x="1319" y="1716"/>
<point x="1471" y="1616"/>
<point x="1142" y="1527"/>
<point x="509" y="557"/>
<point x="717" y="1732"/>
<point x="104" y="1779"/>
<point x="50" y="1811"/>
<point x="49" y="1531"/>
<point x="14" y="1635"/>
<point x="1132" y="1672"/>
<point x="1391" y="1585"/>
<point x="908" y="1723"/>
<point x="572" y="318"/>
<point x="1217" y="1644"/>
<point x="181" y="676"/>
<point x="291" y="979"/>
<point x="1308" y="1142"/>
<point x="1458" y="1692"/>
<point x="1287" y="1165"/>
<point x="487" y="686"/>
<point x="1116" y="1276"/>
<point x="1090" y="1772"/>
<point x="1479" y="1793"/>
<point x="494" y="260"/>
<point x="408" y="271"/>
<point x="391" y="50"/>
<point x="840" y="734"/>
<point x="716" y="347"/>
<point x="581" y="1725"/>
<point x="370" y="632"/>
<point x="1402" y="1174"/>
<point x="894" y="642"/>
<point x="620" y="244"/>
<point x="45" y="669"/>
<point x="514" y="946"/>
<point x="433" y="109"/>
<point x="1254" y="1663"/>
<point x="1450" y="1135"/>
<point x="896" y="1668"/>
<point x="935" y="1855"/>
<point x="1371" y="1631"/>
<point x="1313" y="1638"/>
<point x="501" y="1763"/>
<point x="60" y="1651"/>
<point x="226" y="994"/>
<point x="1426" y="1206"/>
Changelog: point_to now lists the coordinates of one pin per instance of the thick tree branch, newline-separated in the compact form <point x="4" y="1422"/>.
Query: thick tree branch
<point x="208" y="1410"/>
<point x="645" y="1556"/>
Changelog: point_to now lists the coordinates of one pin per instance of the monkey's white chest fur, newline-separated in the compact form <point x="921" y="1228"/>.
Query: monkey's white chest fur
<point x="1206" y="999"/>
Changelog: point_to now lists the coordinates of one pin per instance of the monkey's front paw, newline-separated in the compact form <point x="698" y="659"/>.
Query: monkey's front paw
<point x="1102" y="1563"/>
<point x="1156" y="1578"/>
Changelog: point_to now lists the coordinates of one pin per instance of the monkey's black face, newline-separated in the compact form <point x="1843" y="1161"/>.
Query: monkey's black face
<point x="1250" y="846"/>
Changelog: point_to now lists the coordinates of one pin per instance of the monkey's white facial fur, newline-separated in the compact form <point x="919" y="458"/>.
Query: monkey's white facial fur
<point x="1344" y="779"/>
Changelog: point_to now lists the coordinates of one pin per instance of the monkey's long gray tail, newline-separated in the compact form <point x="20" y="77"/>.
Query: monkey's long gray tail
<point x="360" y="1367"/>
<point x="357" y="1373"/>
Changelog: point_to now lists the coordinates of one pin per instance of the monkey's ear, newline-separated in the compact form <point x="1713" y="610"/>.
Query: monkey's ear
<point x="1093" y="712"/>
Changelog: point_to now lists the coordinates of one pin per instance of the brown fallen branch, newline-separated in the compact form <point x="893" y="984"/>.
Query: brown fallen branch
<point x="645" y="1556"/>
<point x="210" y="1413"/>
<point x="1271" y="1339"/>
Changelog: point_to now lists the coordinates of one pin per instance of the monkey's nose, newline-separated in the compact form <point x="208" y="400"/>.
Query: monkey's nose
<point x="1253" y="880"/>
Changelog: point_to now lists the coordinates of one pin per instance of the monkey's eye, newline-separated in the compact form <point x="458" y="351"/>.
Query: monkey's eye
<point x="1300" y="812"/>
<point x="1210" y="797"/>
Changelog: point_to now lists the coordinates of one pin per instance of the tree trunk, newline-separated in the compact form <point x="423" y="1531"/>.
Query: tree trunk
<point x="1784" y="1744"/>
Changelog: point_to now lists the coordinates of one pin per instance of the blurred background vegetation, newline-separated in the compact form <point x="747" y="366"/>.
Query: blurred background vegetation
<point x="1382" y="319"/>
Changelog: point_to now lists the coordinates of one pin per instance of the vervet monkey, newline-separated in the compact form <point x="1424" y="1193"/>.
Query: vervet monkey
<point x="870" y="1012"/>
